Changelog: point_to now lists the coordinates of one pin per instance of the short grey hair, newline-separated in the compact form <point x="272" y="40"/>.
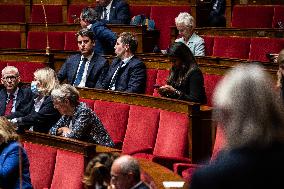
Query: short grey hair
<point x="129" y="164"/>
<point x="186" y="19"/>
<point x="66" y="91"/>
<point x="248" y="108"/>
<point x="10" y="68"/>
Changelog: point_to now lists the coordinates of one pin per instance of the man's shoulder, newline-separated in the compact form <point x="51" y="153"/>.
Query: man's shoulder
<point x="135" y="61"/>
<point x="119" y="3"/>
<point x="74" y="57"/>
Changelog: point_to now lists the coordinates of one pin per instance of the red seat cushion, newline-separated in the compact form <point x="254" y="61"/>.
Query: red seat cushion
<point x="37" y="40"/>
<point x="7" y="13"/>
<point x="172" y="138"/>
<point x="141" y="130"/>
<point x="278" y="16"/>
<point x="231" y="47"/>
<point x="210" y="82"/>
<point x="114" y="122"/>
<point x="252" y="16"/>
<point x="42" y="163"/>
<point x="261" y="46"/>
<point x="209" y="43"/>
<point x="150" y="81"/>
<point x="14" y="39"/>
<point x="69" y="170"/>
<point x="70" y="41"/>
<point x="53" y="14"/>
<point x="164" y="17"/>
<point x="74" y="10"/>
<point x="161" y="80"/>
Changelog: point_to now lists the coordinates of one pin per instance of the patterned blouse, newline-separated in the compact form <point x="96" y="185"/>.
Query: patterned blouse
<point x="85" y="125"/>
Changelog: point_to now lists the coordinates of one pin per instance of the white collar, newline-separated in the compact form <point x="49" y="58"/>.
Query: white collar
<point x="109" y="6"/>
<point x="15" y="93"/>
<point x="88" y="57"/>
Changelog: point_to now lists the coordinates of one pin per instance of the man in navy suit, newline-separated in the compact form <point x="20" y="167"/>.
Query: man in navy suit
<point x="113" y="11"/>
<point x="14" y="98"/>
<point x="127" y="73"/>
<point x="84" y="69"/>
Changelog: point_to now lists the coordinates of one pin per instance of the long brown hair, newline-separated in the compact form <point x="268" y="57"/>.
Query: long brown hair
<point x="188" y="63"/>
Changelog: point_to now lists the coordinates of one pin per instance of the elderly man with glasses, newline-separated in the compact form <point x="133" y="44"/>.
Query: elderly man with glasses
<point x="14" y="98"/>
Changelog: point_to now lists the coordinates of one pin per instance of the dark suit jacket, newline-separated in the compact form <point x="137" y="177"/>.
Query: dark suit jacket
<point x="24" y="97"/>
<point x="9" y="164"/>
<point x="97" y="67"/>
<point x="131" y="78"/>
<point x="42" y="120"/>
<point x="246" y="168"/>
<point x="119" y="12"/>
<point x="105" y="39"/>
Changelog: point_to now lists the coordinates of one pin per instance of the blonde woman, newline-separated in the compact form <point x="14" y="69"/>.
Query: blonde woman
<point x="10" y="151"/>
<point x="42" y="114"/>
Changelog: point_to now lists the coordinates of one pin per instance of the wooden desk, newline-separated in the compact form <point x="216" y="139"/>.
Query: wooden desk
<point x="159" y="173"/>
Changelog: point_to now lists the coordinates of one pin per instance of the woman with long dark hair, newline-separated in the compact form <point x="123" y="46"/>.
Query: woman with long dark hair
<point x="185" y="81"/>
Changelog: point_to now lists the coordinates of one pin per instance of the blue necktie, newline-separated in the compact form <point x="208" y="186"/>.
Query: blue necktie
<point x="104" y="13"/>
<point x="80" y="72"/>
<point x="114" y="77"/>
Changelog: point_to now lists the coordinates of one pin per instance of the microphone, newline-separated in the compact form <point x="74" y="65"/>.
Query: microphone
<point x="47" y="50"/>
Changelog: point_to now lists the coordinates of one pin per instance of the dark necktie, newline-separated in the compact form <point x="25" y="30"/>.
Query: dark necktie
<point x="104" y="13"/>
<point x="114" y="77"/>
<point x="80" y="72"/>
<point x="9" y="105"/>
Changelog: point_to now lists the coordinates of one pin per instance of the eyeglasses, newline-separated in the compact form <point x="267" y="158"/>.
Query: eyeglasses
<point x="10" y="77"/>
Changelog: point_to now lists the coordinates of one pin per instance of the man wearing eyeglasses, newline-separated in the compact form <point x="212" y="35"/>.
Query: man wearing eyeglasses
<point x="14" y="98"/>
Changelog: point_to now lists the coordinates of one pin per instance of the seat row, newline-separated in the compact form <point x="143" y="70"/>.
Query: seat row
<point x="258" y="16"/>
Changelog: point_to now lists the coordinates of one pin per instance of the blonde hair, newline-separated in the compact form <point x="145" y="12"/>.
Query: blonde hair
<point x="7" y="131"/>
<point x="280" y="62"/>
<point x="186" y="19"/>
<point x="47" y="78"/>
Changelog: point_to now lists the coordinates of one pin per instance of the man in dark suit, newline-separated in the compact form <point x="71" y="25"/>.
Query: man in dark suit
<point x="125" y="173"/>
<point x="14" y="98"/>
<point x="127" y="73"/>
<point x="113" y="11"/>
<point x="104" y="38"/>
<point x="217" y="13"/>
<point x="84" y="69"/>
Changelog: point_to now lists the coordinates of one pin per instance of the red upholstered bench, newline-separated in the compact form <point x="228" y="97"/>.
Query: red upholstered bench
<point x="37" y="40"/>
<point x="70" y="43"/>
<point x="140" y="10"/>
<point x="210" y="82"/>
<point x="209" y="43"/>
<point x="231" y="47"/>
<point x="260" y="46"/>
<point x="10" y="39"/>
<point x="252" y="16"/>
<point x="53" y="14"/>
<point x="74" y="10"/>
<point x="278" y="16"/>
<point x="7" y="13"/>
<point x="162" y="76"/>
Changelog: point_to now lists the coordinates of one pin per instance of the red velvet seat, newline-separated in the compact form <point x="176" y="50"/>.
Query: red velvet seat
<point x="141" y="132"/>
<point x="252" y="16"/>
<point x="114" y="117"/>
<point x="42" y="161"/>
<point x="26" y="69"/>
<point x="261" y="46"/>
<point x="69" y="170"/>
<point x="139" y="10"/>
<point x="53" y="14"/>
<point x="150" y="81"/>
<point x="164" y="17"/>
<point x="7" y="13"/>
<point x="14" y="39"/>
<point x="278" y="16"/>
<point x="162" y="76"/>
<point x="209" y="43"/>
<point x="186" y="170"/>
<point x="172" y="144"/>
<point x="37" y="40"/>
<point x="3" y="64"/>
<point x="231" y="47"/>
<point x="70" y="43"/>
<point x="210" y="82"/>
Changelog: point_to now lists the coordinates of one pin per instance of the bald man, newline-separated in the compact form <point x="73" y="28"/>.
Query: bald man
<point x="125" y="174"/>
